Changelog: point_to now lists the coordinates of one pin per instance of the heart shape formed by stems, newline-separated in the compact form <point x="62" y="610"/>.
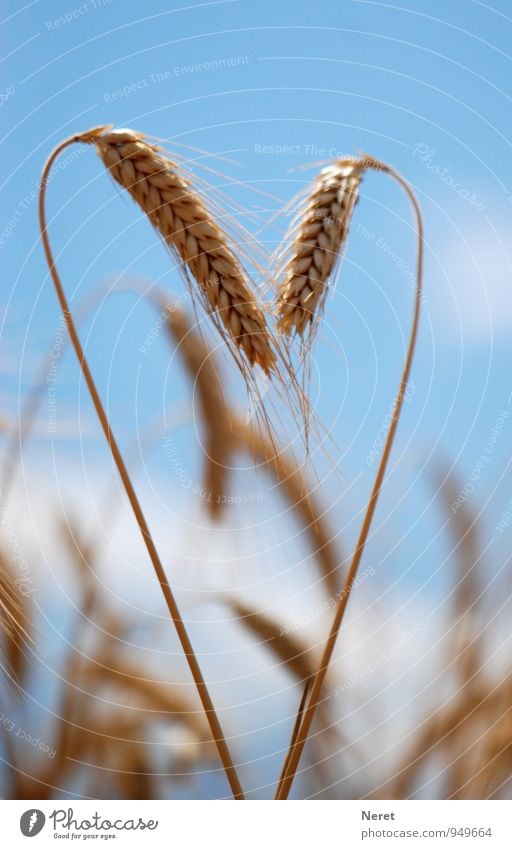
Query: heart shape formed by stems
<point x="188" y="228"/>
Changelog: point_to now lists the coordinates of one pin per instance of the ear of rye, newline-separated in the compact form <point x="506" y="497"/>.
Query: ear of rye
<point x="318" y="241"/>
<point x="179" y="214"/>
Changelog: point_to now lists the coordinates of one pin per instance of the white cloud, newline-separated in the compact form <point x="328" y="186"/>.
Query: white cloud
<point x="472" y="295"/>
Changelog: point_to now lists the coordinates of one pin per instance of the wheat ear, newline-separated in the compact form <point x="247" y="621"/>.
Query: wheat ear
<point x="183" y="220"/>
<point x="172" y="606"/>
<point x="292" y="761"/>
<point x="317" y="243"/>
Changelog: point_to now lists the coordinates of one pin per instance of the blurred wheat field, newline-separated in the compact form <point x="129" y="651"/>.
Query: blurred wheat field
<point x="121" y="729"/>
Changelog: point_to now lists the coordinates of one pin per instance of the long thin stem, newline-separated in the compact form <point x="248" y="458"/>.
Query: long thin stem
<point x="298" y="721"/>
<point x="172" y="606"/>
<point x="291" y="762"/>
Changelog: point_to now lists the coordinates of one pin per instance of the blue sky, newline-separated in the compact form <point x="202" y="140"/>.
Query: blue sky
<point x="425" y="90"/>
<point x="273" y="87"/>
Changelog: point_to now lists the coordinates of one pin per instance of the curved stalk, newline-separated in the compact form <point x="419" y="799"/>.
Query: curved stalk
<point x="292" y="759"/>
<point x="172" y="606"/>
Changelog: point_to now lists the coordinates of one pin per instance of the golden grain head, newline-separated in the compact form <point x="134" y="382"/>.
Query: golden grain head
<point x="187" y="226"/>
<point x="318" y="240"/>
